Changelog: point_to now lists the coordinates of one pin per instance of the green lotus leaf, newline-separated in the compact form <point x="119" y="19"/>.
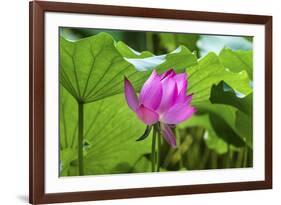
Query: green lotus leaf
<point x="237" y="61"/>
<point x="110" y="133"/>
<point x="210" y="71"/>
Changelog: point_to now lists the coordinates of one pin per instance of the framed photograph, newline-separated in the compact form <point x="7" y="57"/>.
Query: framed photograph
<point x="139" y="102"/>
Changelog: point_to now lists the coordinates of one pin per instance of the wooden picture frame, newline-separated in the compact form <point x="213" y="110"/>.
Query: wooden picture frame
<point x="38" y="9"/>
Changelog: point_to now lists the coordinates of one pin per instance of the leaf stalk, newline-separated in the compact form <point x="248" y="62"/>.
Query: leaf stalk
<point x="80" y="138"/>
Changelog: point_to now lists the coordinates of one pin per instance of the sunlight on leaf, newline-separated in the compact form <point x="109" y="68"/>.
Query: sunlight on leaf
<point x="212" y="43"/>
<point x="93" y="68"/>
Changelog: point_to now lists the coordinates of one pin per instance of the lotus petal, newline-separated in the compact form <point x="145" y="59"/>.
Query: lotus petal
<point x="168" y="135"/>
<point x="151" y="92"/>
<point x="130" y="95"/>
<point x="178" y="113"/>
<point x="147" y="115"/>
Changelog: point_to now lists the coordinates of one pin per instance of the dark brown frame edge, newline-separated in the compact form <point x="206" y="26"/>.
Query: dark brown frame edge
<point x="36" y="146"/>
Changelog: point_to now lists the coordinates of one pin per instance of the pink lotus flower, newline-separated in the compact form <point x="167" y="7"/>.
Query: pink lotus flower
<point x="162" y="99"/>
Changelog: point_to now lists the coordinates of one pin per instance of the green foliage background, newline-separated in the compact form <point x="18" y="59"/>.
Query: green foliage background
<point x="93" y="64"/>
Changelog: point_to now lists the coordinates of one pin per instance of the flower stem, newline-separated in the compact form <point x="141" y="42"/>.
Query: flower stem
<point x="149" y="41"/>
<point x="153" y="153"/>
<point x="159" y="148"/>
<point x="80" y="138"/>
<point x="227" y="158"/>
<point x="245" y="160"/>
<point x="178" y="136"/>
